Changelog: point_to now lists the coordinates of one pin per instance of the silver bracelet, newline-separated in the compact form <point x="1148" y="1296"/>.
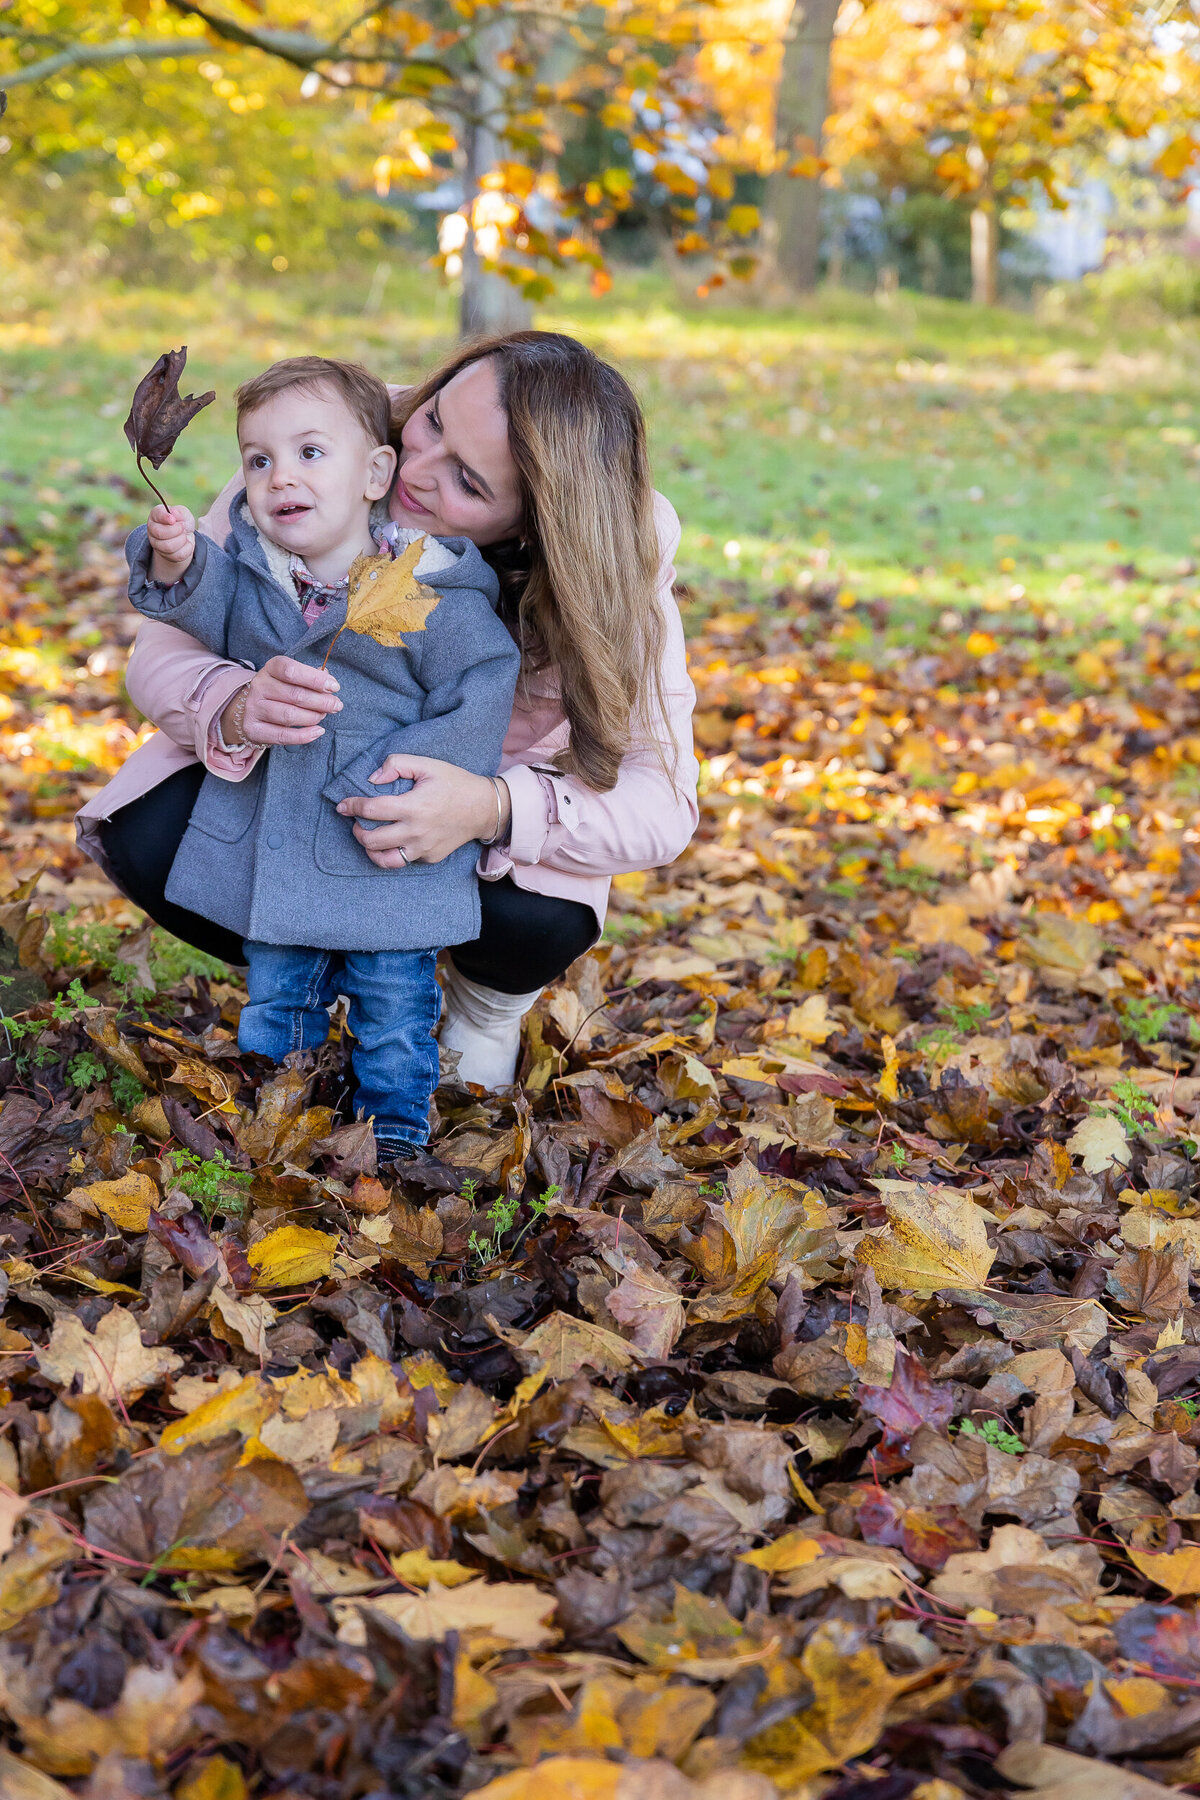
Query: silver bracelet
<point x="495" y="837"/>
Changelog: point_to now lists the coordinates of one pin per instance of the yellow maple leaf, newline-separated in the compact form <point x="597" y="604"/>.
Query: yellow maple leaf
<point x="936" y="1239"/>
<point x="291" y="1255"/>
<point x="385" y="599"/>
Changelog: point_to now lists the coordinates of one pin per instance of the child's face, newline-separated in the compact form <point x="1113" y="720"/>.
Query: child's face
<point x="311" y="471"/>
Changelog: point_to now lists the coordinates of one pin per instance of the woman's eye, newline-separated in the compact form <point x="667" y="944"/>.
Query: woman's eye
<point x="466" y="487"/>
<point x="432" y="420"/>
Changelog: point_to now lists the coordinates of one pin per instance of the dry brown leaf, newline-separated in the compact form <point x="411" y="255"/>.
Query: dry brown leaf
<point x="112" y="1361"/>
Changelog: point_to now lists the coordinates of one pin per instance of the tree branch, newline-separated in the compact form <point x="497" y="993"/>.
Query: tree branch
<point x="87" y="56"/>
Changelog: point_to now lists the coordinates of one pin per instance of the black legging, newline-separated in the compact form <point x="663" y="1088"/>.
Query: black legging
<point x="525" y="940"/>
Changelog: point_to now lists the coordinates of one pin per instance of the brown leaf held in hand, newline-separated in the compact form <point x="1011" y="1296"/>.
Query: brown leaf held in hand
<point x="160" y="412"/>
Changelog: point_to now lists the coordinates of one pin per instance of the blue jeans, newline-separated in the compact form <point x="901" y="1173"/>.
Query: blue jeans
<point x="394" y="1005"/>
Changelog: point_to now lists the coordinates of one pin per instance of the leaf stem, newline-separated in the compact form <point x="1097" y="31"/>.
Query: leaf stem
<point x="151" y="486"/>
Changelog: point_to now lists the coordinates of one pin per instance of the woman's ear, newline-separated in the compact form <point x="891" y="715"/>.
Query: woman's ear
<point x="381" y="472"/>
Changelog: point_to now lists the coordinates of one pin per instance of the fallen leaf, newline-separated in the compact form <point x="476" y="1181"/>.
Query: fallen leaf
<point x="112" y="1361"/>
<point x="127" y="1201"/>
<point x="291" y="1256"/>
<point x="1101" y="1141"/>
<point x="937" y="1239"/>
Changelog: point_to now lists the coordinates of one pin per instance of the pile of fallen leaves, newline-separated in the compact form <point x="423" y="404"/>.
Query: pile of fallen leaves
<point x="793" y="1387"/>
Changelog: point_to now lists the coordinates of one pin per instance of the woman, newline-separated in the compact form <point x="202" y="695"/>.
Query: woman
<point x="533" y="448"/>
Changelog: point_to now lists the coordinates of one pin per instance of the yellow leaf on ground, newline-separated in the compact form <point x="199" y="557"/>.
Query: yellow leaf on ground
<point x="420" y="1569"/>
<point x="126" y="1202"/>
<point x="936" y="1238"/>
<point x="291" y="1256"/>
<point x="216" y="1778"/>
<point x="27" y="1580"/>
<point x="852" y="1691"/>
<point x="516" y="1612"/>
<point x="562" y="1346"/>
<point x="1101" y="1141"/>
<point x="1176" y="1570"/>
<point x="557" y="1778"/>
<point x="811" y="1020"/>
<point x="793" y="1550"/>
<point x="945" y="924"/>
<point x="244" y="1409"/>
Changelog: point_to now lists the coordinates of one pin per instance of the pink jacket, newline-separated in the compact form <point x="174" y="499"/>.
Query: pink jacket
<point x="565" y="838"/>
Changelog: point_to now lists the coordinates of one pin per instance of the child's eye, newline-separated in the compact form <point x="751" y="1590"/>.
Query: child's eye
<point x="260" y="462"/>
<point x="310" y="452"/>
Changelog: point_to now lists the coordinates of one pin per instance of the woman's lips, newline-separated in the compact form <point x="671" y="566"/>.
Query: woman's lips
<point x="408" y="500"/>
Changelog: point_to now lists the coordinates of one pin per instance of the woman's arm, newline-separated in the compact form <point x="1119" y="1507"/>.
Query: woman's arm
<point x="185" y="690"/>
<point x="646" y="820"/>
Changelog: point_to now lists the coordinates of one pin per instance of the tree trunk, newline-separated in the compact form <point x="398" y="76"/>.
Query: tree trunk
<point x="985" y="236"/>
<point x="794" y="201"/>
<point x="489" y="303"/>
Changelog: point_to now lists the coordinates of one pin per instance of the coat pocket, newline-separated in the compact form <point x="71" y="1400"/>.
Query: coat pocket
<point x="336" y="850"/>
<point x="227" y="809"/>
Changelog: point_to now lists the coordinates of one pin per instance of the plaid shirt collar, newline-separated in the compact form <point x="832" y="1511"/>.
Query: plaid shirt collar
<point x="314" y="596"/>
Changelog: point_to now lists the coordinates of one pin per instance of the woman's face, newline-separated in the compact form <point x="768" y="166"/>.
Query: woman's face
<point x="457" y="476"/>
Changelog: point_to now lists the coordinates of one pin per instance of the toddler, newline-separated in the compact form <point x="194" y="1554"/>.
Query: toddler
<point x="270" y="857"/>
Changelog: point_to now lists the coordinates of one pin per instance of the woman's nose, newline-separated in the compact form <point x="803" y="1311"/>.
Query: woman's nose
<point x="418" y="470"/>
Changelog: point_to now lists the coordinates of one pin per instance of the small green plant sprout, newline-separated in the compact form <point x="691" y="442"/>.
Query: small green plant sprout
<point x="941" y="1042"/>
<point x="712" y="1190"/>
<point x="895" y="1156"/>
<point x="1131" y="1104"/>
<point x="86" y="1070"/>
<point x="918" y="881"/>
<point x="995" y="1433"/>
<point x="127" y="1091"/>
<point x="1190" y="1406"/>
<point x="965" y="1018"/>
<point x="211" y="1183"/>
<point x="502" y="1216"/>
<point x="1145" y="1019"/>
<point x="66" y="1008"/>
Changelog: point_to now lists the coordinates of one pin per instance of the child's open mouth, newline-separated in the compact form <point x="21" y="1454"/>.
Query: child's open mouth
<point x="292" y="510"/>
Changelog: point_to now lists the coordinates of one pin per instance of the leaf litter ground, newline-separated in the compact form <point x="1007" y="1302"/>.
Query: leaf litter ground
<point x="793" y="1388"/>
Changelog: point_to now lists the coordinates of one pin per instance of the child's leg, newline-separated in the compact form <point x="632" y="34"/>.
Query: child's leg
<point x="394" y="1003"/>
<point x="290" y="992"/>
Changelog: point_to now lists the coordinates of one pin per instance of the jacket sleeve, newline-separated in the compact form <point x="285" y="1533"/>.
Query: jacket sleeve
<point x="648" y="818"/>
<point x="181" y="687"/>
<point x="200" y="602"/>
<point x="467" y="664"/>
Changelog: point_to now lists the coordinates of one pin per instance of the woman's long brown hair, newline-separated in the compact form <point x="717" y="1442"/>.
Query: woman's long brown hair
<point x="579" y="583"/>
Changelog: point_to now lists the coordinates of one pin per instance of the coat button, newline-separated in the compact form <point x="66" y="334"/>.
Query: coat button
<point x="274" y="842"/>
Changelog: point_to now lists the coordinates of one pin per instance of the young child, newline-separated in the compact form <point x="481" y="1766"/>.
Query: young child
<point x="270" y="857"/>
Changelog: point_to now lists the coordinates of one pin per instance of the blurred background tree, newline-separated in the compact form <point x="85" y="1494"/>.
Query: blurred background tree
<point x="920" y="142"/>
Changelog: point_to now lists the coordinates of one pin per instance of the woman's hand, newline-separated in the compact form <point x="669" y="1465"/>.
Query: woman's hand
<point x="285" y="704"/>
<point x="445" y="808"/>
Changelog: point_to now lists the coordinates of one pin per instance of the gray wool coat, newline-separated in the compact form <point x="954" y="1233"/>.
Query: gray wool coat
<point x="270" y="857"/>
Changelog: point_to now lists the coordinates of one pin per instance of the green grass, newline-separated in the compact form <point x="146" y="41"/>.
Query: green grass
<point x="925" y="448"/>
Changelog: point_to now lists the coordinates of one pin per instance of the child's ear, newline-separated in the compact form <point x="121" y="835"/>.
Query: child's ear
<point x="381" y="472"/>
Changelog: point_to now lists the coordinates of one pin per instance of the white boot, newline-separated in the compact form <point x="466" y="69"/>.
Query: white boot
<point x="484" y="1026"/>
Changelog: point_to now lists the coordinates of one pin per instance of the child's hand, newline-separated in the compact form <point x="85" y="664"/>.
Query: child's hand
<point x="172" y="534"/>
